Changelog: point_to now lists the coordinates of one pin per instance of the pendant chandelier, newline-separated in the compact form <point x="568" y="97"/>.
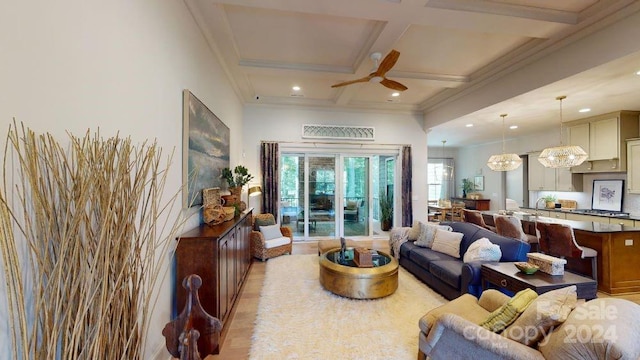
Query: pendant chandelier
<point x="504" y="162"/>
<point x="447" y="170"/>
<point x="562" y="156"/>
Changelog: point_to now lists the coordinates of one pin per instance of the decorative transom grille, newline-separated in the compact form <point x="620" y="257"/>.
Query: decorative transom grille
<point x="338" y="132"/>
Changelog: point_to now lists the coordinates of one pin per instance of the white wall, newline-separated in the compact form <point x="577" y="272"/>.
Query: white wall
<point x="270" y="123"/>
<point x="116" y="65"/>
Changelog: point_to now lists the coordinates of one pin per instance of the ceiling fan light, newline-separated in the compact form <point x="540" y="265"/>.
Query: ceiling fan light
<point x="376" y="79"/>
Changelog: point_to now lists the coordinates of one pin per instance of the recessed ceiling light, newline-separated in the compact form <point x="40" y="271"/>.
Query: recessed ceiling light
<point x="395" y="94"/>
<point x="638" y="72"/>
<point x="584" y="110"/>
<point x="469" y="125"/>
<point x="513" y="127"/>
<point x="296" y="88"/>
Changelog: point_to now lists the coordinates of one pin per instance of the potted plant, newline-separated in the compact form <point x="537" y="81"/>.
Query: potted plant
<point x="550" y="201"/>
<point x="467" y="187"/>
<point x="236" y="179"/>
<point x="386" y="211"/>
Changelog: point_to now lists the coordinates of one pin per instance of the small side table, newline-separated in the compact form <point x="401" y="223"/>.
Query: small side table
<point x="505" y="275"/>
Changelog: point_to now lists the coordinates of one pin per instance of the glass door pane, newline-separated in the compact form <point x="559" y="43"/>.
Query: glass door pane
<point x="321" y="220"/>
<point x="292" y="193"/>
<point x="356" y="196"/>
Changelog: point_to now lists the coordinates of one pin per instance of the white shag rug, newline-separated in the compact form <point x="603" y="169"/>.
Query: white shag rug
<point x="298" y="319"/>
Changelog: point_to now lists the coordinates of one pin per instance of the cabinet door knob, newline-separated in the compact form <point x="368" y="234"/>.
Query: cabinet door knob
<point x="503" y="283"/>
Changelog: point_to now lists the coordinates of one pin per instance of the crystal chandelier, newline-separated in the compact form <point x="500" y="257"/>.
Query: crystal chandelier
<point x="562" y="156"/>
<point x="504" y="162"/>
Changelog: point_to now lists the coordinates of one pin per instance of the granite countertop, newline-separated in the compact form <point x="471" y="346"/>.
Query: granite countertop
<point x="590" y="226"/>
<point x="630" y="217"/>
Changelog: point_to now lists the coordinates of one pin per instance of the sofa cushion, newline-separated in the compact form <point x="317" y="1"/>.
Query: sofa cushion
<point x="424" y="257"/>
<point x="512" y="250"/>
<point x="447" y="242"/>
<point x="482" y="250"/>
<point x="604" y="328"/>
<point x="449" y="271"/>
<point x="509" y="312"/>
<point x="283" y="240"/>
<point x="465" y="306"/>
<point x="263" y="220"/>
<point x="545" y="312"/>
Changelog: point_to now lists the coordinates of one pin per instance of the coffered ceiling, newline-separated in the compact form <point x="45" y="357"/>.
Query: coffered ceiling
<point x="446" y="47"/>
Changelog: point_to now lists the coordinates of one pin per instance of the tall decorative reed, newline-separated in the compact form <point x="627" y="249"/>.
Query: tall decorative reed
<point x="90" y="223"/>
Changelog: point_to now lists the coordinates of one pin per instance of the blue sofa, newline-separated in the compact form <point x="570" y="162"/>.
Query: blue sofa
<point x="452" y="277"/>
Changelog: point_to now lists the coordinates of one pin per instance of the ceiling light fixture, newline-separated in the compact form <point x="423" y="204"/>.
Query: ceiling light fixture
<point x="584" y="110"/>
<point x="562" y="156"/>
<point x="395" y="94"/>
<point x="638" y="72"/>
<point x="469" y="125"/>
<point x="513" y="127"/>
<point x="504" y="162"/>
<point x="447" y="170"/>
<point x="296" y="88"/>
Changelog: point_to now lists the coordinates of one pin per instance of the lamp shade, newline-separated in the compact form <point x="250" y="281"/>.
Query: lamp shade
<point x="504" y="162"/>
<point x="255" y="190"/>
<point x="562" y="156"/>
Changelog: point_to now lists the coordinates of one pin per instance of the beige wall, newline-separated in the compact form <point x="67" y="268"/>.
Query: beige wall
<point x="116" y="65"/>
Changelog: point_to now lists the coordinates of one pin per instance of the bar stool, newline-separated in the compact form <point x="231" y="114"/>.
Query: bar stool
<point x="511" y="226"/>
<point x="475" y="217"/>
<point x="559" y="240"/>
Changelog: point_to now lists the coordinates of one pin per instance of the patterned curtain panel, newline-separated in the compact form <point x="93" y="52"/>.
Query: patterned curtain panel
<point x="407" y="207"/>
<point x="269" y="159"/>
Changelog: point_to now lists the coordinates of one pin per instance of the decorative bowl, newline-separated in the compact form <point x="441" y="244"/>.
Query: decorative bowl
<point x="526" y="267"/>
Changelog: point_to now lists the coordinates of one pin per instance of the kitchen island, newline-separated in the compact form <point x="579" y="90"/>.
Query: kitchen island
<point x="618" y="248"/>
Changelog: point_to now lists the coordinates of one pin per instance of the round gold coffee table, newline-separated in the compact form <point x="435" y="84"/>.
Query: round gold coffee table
<point x="355" y="282"/>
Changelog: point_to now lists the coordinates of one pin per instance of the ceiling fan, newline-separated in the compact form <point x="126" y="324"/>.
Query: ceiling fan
<point x="378" y="75"/>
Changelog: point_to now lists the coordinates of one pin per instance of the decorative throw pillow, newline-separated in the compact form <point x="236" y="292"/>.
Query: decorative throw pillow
<point x="447" y="242"/>
<point x="260" y="220"/>
<point x="414" y="232"/>
<point x="482" y="250"/>
<point x="548" y="310"/>
<point x="509" y="312"/>
<point x="428" y="233"/>
<point x="271" y="232"/>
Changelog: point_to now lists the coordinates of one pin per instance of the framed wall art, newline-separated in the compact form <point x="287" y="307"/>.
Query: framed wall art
<point x="607" y="195"/>
<point x="478" y="183"/>
<point x="205" y="149"/>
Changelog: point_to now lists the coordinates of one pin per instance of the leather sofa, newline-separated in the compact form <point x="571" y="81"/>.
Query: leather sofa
<point x="450" y="276"/>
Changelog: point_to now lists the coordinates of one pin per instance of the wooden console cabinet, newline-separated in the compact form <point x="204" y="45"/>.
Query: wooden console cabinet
<point x="221" y="256"/>
<point x="474" y="204"/>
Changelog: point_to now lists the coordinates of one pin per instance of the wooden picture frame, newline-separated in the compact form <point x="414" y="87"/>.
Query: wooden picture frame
<point x="205" y="149"/>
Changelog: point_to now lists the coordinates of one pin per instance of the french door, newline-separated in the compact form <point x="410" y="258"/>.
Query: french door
<point x="333" y="195"/>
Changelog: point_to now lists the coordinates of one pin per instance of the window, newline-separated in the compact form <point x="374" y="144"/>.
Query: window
<point x="439" y="188"/>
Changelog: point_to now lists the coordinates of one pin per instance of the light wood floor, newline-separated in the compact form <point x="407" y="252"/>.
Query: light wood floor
<point x="238" y="341"/>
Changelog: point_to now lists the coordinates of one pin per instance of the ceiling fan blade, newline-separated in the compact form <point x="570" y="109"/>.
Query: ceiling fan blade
<point x="364" y="79"/>
<point x="394" y="85"/>
<point x="387" y="63"/>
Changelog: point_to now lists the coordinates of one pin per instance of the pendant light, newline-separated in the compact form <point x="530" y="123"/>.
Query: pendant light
<point x="504" y="162"/>
<point x="562" y="156"/>
<point x="447" y="171"/>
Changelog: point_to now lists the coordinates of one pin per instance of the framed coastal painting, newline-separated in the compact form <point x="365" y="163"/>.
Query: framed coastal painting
<point x="205" y="149"/>
<point x="607" y="195"/>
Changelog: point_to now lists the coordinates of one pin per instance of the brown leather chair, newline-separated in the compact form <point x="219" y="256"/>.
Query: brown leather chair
<point x="511" y="226"/>
<point x="475" y="217"/>
<point x="558" y="240"/>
